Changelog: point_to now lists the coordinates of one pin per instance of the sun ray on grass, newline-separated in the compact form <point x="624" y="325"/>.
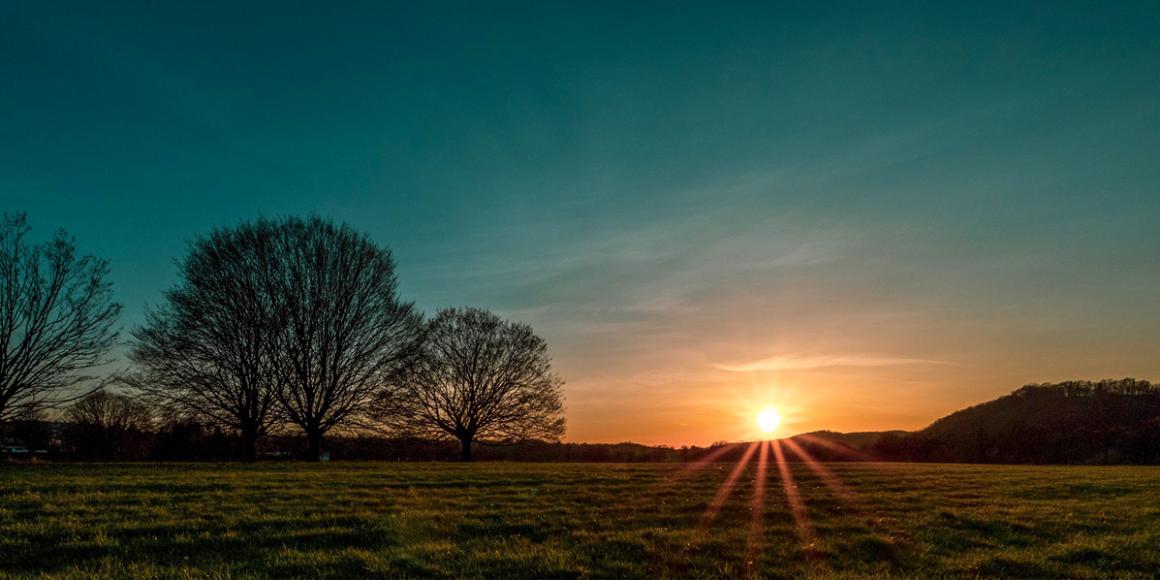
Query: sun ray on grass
<point x="756" y="522"/>
<point x="723" y="492"/>
<point x="797" y="508"/>
<point x="701" y="463"/>
<point x="839" y="489"/>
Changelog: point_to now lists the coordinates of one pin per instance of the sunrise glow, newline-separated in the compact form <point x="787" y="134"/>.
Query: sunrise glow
<point x="768" y="420"/>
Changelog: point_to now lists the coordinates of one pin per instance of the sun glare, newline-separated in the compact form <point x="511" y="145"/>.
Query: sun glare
<point x="768" y="420"/>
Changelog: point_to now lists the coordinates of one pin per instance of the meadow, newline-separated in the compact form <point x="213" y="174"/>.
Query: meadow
<point x="576" y="520"/>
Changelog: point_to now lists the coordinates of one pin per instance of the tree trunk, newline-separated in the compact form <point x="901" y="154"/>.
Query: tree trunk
<point x="314" y="440"/>
<point x="465" y="453"/>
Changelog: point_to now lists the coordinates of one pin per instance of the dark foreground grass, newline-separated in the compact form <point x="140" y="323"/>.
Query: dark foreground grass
<point x="570" y="520"/>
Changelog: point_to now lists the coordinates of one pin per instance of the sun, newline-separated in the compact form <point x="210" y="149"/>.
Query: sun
<point x="768" y="420"/>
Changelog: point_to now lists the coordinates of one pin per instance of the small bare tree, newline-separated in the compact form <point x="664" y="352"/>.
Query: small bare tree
<point x="56" y="318"/>
<point x="346" y="334"/>
<point x="207" y="352"/>
<point x="105" y="425"/>
<point x="478" y="377"/>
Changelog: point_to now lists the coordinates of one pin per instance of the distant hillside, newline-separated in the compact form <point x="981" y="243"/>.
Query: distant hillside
<point x="1085" y="422"/>
<point x="856" y="440"/>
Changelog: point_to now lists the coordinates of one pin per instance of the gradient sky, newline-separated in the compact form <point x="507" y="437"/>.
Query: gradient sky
<point x="867" y="218"/>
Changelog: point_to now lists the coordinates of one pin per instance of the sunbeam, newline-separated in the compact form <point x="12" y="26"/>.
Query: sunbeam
<point x="692" y="468"/>
<point x="803" y="527"/>
<point x="756" y="523"/>
<point x="706" y="460"/>
<point x="666" y="483"/>
<point x="801" y="518"/>
<point x="723" y="493"/>
<point x="828" y="478"/>
<point x="842" y="449"/>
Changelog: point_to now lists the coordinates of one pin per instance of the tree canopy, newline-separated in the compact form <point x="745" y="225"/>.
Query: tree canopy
<point x="291" y="320"/>
<point x="478" y="377"/>
<point x="207" y="352"/>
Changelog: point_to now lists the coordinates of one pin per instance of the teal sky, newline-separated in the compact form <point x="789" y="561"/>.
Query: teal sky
<point x="866" y="218"/>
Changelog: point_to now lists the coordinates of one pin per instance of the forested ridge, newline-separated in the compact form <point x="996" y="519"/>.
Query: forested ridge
<point x="1072" y="422"/>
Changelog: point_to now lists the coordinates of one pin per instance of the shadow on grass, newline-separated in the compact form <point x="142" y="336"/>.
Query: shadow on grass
<point x="246" y="548"/>
<point x="1099" y="560"/>
<point x="1000" y="567"/>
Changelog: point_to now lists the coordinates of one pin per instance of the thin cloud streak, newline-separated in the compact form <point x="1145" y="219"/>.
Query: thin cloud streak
<point x="792" y="362"/>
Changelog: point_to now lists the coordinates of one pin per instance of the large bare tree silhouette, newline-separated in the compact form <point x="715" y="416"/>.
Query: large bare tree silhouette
<point x="478" y="377"/>
<point x="207" y="351"/>
<point x="294" y="320"/>
<point x="56" y="318"/>
<point x="346" y="335"/>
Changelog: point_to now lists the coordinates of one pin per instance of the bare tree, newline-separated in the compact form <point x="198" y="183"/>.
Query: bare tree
<point x="346" y="334"/>
<point x="56" y="318"/>
<point x="105" y="425"/>
<point x="207" y="352"/>
<point x="478" y="377"/>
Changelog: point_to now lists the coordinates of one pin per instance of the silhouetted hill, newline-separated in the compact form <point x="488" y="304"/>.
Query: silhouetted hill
<point x="1109" y="421"/>
<point x="860" y="440"/>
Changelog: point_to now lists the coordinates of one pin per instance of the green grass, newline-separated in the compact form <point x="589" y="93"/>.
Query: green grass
<point x="572" y="520"/>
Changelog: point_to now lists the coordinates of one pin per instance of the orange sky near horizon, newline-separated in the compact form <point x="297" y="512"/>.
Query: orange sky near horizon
<point x="868" y="373"/>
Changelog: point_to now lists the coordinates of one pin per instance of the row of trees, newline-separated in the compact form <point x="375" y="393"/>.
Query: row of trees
<point x="274" y="324"/>
<point x="111" y="426"/>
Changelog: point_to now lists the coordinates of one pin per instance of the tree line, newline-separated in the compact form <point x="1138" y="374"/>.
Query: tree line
<point x="274" y="326"/>
<point x="116" y="427"/>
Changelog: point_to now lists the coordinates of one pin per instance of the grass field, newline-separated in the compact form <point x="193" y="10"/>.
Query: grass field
<point x="576" y="520"/>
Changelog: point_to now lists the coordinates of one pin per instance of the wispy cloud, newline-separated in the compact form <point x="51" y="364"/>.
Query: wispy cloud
<point x="796" y="362"/>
